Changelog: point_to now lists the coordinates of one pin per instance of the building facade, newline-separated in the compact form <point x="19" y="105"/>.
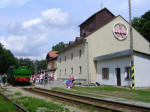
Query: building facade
<point x="51" y="60"/>
<point x="72" y="61"/>
<point x="107" y="57"/>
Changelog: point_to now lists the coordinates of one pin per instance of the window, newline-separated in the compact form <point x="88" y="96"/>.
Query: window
<point x="65" y="58"/>
<point x="65" y="71"/>
<point x="80" y="68"/>
<point x="80" y="53"/>
<point x="71" y="70"/>
<point x="60" y="60"/>
<point x="105" y="73"/>
<point x="60" y="72"/>
<point x="127" y="73"/>
<point x="71" y="56"/>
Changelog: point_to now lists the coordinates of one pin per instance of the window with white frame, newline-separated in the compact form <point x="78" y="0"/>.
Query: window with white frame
<point x="71" y="56"/>
<point x="65" y="71"/>
<point x="65" y="58"/>
<point x="105" y="73"/>
<point x="80" y="53"/>
<point x="60" y="72"/>
<point x="60" y="60"/>
<point x="71" y="70"/>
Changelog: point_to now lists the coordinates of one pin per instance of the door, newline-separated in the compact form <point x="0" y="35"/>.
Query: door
<point x="118" y="75"/>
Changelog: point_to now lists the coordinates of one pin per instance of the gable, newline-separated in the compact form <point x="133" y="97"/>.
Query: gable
<point x="103" y="41"/>
<point x="95" y="22"/>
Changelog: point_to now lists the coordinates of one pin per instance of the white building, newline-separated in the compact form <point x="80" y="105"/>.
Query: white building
<point x="102" y="53"/>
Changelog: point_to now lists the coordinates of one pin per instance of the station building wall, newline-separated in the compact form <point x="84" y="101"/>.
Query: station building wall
<point x="142" y="70"/>
<point x="77" y="63"/>
<point x="103" y="42"/>
<point x="112" y="64"/>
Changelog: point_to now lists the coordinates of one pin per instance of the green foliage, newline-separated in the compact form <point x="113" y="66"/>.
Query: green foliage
<point x="6" y="106"/>
<point x="58" y="47"/>
<point x="28" y="62"/>
<point x="39" y="65"/>
<point x="34" y="105"/>
<point x="142" y="24"/>
<point x="6" y="59"/>
<point x="18" y="94"/>
<point x="106" y="91"/>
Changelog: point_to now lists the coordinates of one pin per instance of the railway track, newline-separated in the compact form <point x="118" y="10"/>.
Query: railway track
<point x="98" y="104"/>
<point x="18" y="107"/>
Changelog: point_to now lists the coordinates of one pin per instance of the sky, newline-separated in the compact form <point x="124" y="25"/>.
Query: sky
<point x="29" y="28"/>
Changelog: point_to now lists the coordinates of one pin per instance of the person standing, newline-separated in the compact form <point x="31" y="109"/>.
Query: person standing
<point x="4" y="78"/>
<point x="0" y="78"/>
<point x="41" y="79"/>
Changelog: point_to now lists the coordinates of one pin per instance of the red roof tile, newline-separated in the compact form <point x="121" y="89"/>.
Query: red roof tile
<point x="78" y="39"/>
<point x="53" y="54"/>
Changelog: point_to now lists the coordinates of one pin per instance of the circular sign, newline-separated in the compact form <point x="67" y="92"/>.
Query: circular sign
<point x="120" y="31"/>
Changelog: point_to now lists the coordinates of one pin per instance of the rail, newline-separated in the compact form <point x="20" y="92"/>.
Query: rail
<point x="98" y="103"/>
<point x="18" y="107"/>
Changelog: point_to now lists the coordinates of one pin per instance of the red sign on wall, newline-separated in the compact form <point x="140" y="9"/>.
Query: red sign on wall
<point x="120" y="31"/>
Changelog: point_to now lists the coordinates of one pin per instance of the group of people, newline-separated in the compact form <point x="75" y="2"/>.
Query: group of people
<point x="41" y="78"/>
<point x="3" y="79"/>
<point x="70" y="82"/>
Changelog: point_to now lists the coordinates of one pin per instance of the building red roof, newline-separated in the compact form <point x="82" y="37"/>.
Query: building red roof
<point x="53" y="54"/>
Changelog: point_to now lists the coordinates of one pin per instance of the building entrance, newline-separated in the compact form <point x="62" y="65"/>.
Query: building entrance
<point x="118" y="76"/>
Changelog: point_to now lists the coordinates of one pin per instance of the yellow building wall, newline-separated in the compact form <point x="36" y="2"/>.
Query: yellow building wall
<point x="103" y="42"/>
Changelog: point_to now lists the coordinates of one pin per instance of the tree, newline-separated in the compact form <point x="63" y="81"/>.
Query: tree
<point x="58" y="47"/>
<point x="28" y="62"/>
<point x="142" y="25"/>
<point x="6" y="59"/>
<point x="41" y="65"/>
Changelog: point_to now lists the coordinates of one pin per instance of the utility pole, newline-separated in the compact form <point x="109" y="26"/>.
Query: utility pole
<point x="131" y="47"/>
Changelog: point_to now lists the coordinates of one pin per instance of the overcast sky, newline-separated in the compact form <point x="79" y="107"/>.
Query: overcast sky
<point x="29" y="28"/>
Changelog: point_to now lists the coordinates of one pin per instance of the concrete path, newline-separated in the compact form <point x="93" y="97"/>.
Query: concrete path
<point x="52" y="84"/>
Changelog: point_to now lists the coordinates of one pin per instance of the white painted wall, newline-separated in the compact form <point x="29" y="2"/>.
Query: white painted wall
<point x="120" y="62"/>
<point x="142" y="70"/>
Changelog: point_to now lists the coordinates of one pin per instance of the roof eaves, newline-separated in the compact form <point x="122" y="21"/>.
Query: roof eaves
<point x="113" y="55"/>
<point x="70" y="46"/>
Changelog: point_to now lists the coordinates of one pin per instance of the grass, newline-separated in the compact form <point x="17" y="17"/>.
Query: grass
<point x="110" y="91"/>
<point x="91" y="109"/>
<point x="18" y="94"/>
<point x="75" y="92"/>
<point x="6" y="106"/>
<point x="34" y="104"/>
